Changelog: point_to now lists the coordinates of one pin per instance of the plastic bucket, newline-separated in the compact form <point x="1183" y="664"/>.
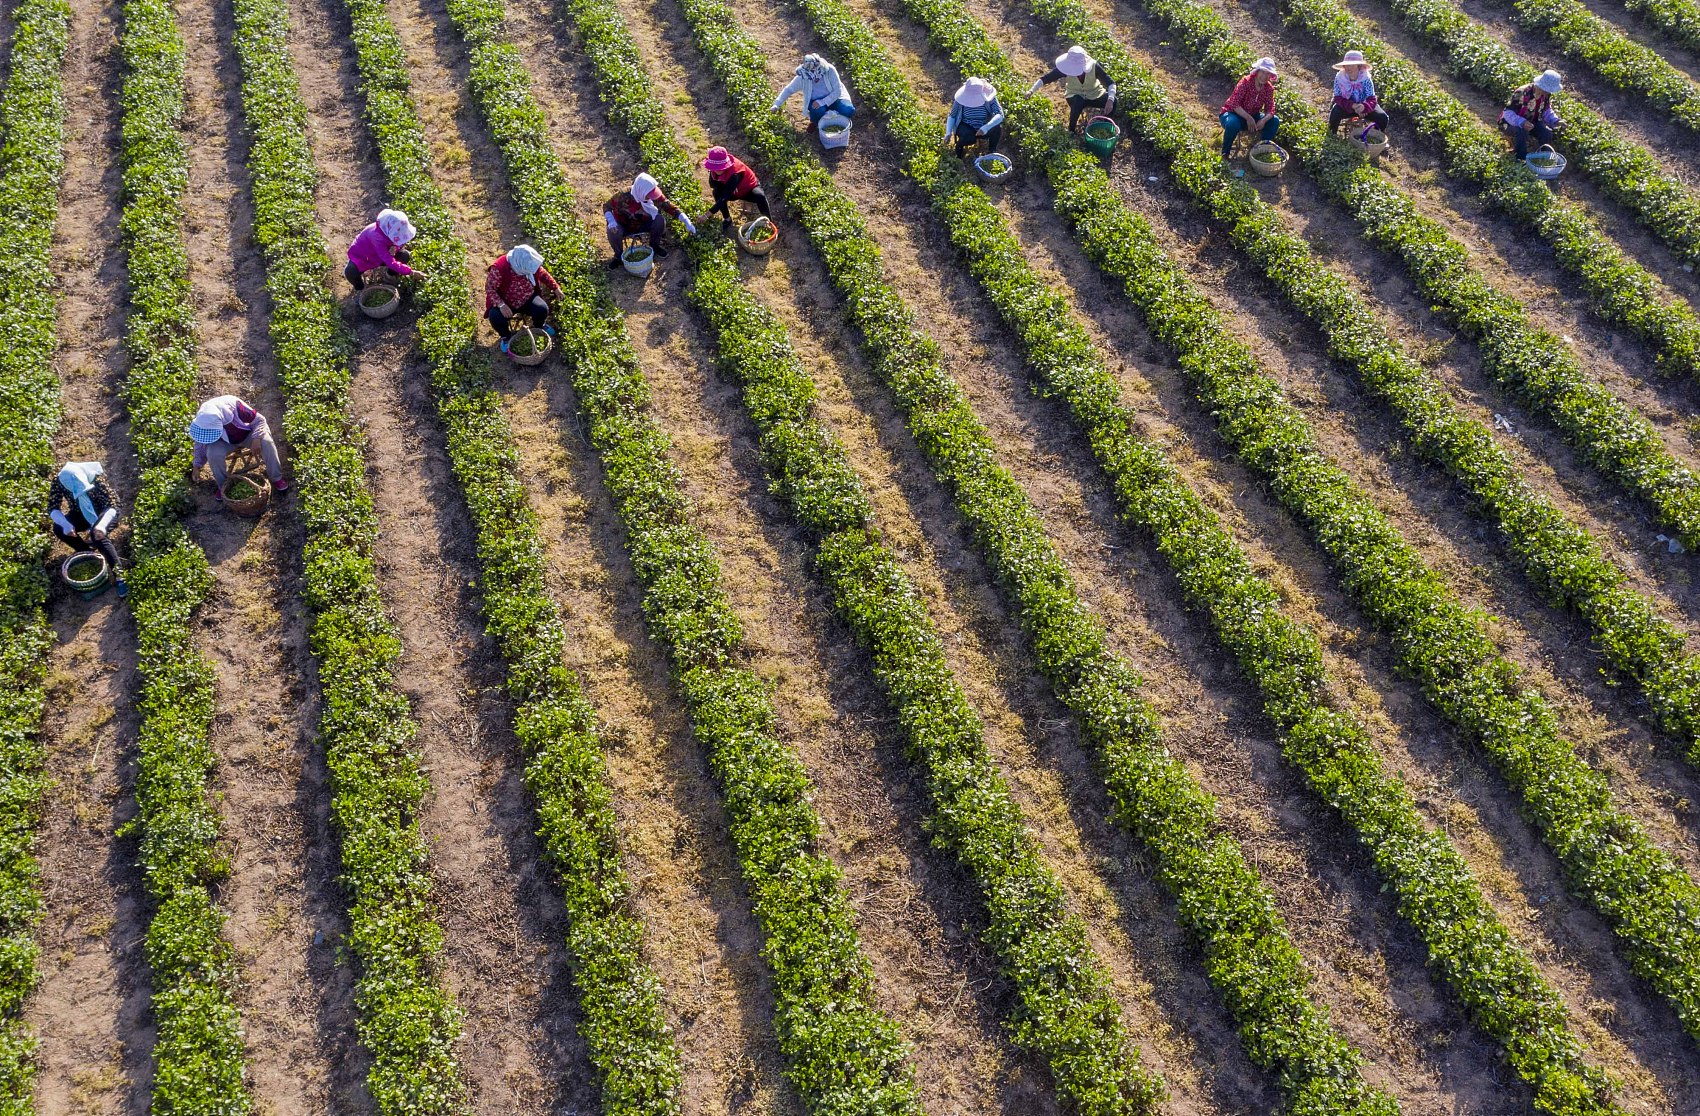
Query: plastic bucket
<point x="1550" y="163"/>
<point x="1100" y="136"/>
<point x="834" y="130"/>
<point x="639" y="259"/>
<point x="994" y="167"/>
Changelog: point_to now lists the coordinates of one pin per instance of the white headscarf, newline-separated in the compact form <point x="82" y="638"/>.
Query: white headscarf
<point x="813" y="66"/>
<point x="975" y="92"/>
<point x="643" y="186"/>
<point x="78" y="477"/>
<point x="1075" y="63"/>
<point x="525" y="259"/>
<point x="394" y="224"/>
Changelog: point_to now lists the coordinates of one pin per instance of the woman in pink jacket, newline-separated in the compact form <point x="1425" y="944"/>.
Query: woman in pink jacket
<point x="381" y="244"/>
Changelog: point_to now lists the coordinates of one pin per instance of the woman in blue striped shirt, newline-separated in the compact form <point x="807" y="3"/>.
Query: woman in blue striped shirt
<point x="975" y="115"/>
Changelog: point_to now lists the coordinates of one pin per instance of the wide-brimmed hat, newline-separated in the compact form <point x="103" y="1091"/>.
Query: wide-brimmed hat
<point x="1353" y="58"/>
<point x="1267" y="65"/>
<point x="718" y="159"/>
<point x="975" y="92"/>
<point x="1550" y="82"/>
<point x="1075" y="63"/>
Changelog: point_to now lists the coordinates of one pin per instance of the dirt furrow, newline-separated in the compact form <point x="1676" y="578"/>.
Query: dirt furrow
<point x="90" y="1010"/>
<point x="1647" y="34"/>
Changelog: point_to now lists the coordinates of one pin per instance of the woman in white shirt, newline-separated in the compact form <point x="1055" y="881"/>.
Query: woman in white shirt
<point x="824" y="91"/>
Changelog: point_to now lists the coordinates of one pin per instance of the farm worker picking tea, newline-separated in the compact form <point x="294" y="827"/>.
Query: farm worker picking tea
<point x="383" y="244"/>
<point x="83" y="512"/>
<point x="641" y="210"/>
<point x="225" y="423"/>
<point x="1085" y="84"/>
<point x="824" y="91"/>
<point x="1251" y="106"/>
<point x="1529" y="113"/>
<point x="1354" y="94"/>
<point x="975" y="115"/>
<point x="513" y="285"/>
<point x="729" y="180"/>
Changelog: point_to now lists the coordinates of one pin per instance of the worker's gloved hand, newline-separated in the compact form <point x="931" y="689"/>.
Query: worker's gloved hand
<point x="98" y="533"/>
<point x="982" y="131"/>
<point x="613" y="222"/>
<point x="690" y="226"/>
<point x="1035" y="87"/>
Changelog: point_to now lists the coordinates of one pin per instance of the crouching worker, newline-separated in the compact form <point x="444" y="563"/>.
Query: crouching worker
<point x="383" y="244"/>
<point x="1085" y="82"/>
<point x="975" y="115"/>
<point x="641" y="210"/>
<point x="513" y="285"/>
<point x="1354" y="94"/>
<point x="225" y="423"/>
<point x="1251" y="107"/>
<point x="83" y="513"/>
<point x="1529" y="115"/>
<point x="729" y="180"/>
<point x="823" y="90"/>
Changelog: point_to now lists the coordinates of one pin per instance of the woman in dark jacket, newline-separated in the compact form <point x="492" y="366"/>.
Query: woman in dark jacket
<point x="83" y="512"/>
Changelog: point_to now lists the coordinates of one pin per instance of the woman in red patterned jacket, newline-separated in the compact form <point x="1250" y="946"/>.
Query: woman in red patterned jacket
<point x="512" y="285"/>
<point x="1251" y="106"/>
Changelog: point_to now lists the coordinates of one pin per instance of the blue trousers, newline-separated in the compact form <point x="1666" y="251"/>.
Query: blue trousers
<point x="1232" y="126"/>
<point x="840" y="106"/>
<point x="1520" y="138"/>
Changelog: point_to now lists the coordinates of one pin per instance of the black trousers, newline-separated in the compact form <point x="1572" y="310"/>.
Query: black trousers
<point x="536" y="309"/>
<point x="723" y="200"/>
<point x="80" y="541"/>
<point x="966" y="134"/>
<point x="1078" y="105"/>
<point x="358" y="281"/>
<point x="1340" y="113"/>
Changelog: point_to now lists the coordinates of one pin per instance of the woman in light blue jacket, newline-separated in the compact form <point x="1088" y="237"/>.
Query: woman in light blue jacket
<point x="824" y="91"/>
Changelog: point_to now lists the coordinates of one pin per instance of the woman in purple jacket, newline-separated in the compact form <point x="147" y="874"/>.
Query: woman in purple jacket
<point x="381" y="244"/>
<point x="225" y="423"/>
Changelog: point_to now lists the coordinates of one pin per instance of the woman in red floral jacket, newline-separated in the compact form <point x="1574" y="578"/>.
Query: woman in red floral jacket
<point x="512" y="285"/>
<point x="1251" y="106"/>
